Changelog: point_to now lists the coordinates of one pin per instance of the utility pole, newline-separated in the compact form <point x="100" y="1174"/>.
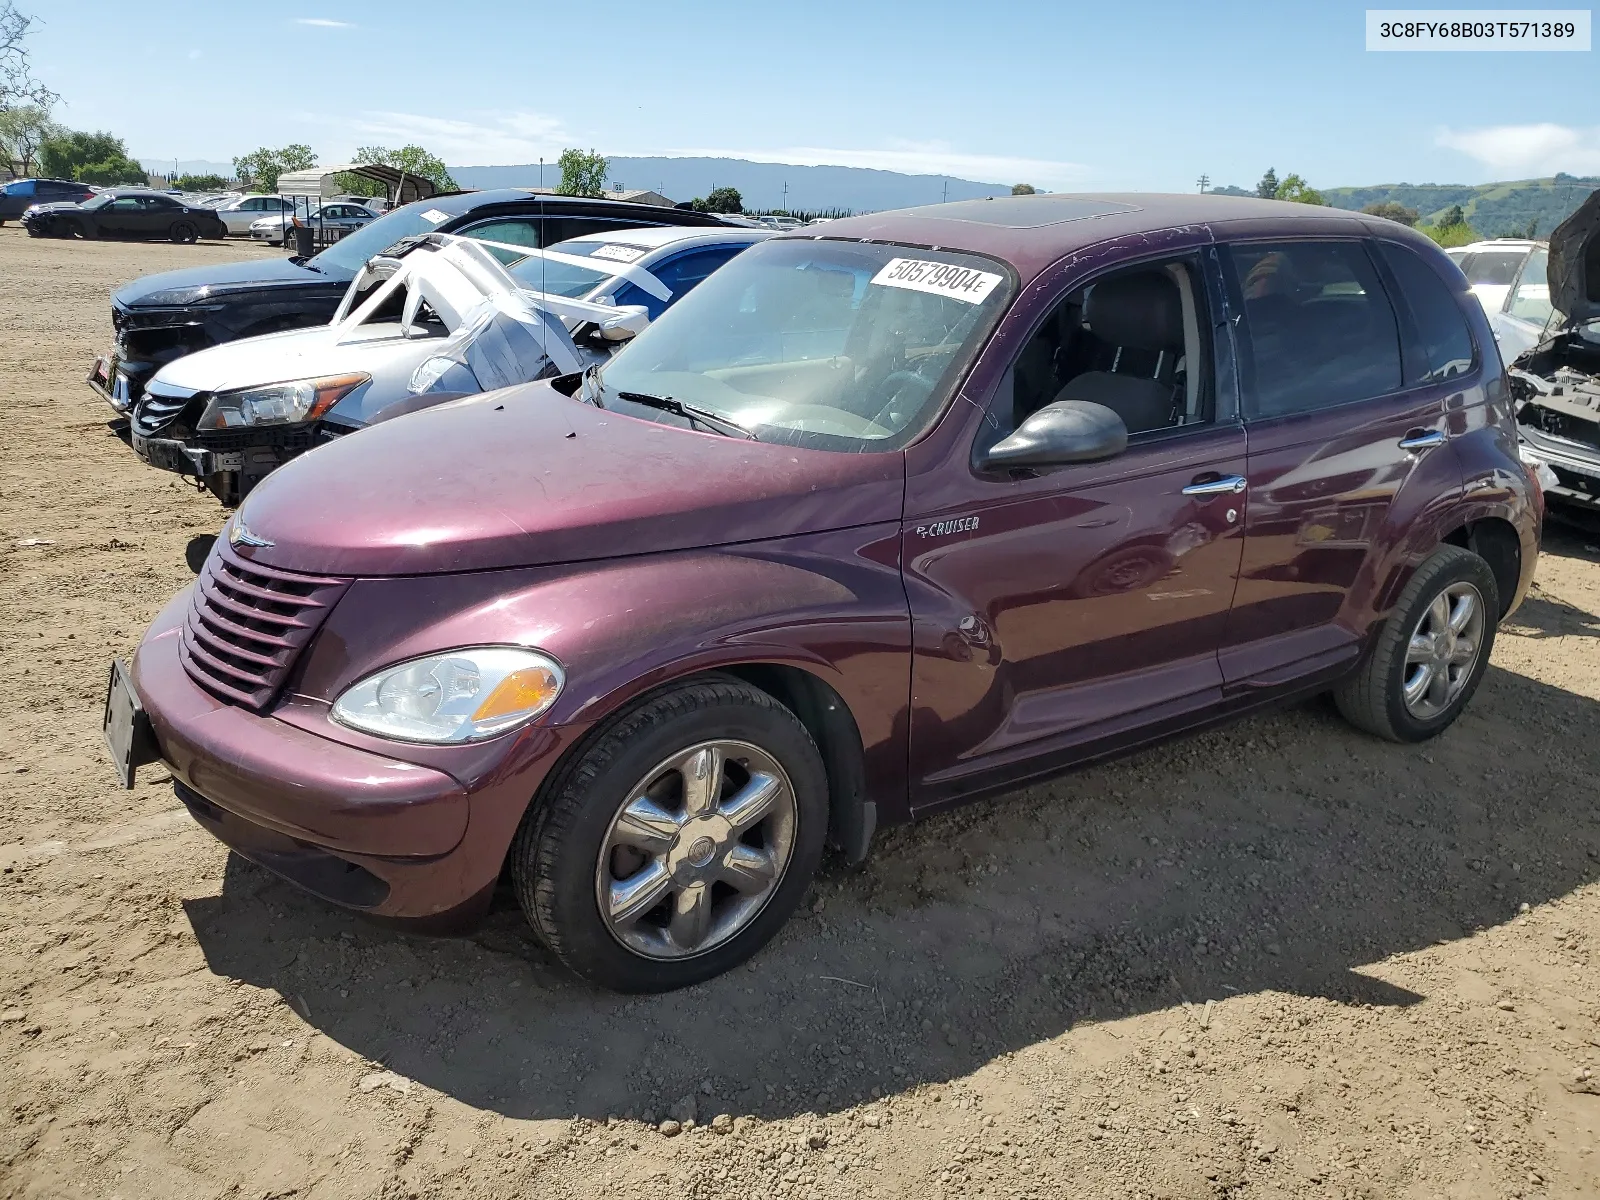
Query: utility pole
<point x="946" y="189"/>
<point x="1205" y="182"/>
<point x="786" y="195"/>
<point x="541" y="171"/>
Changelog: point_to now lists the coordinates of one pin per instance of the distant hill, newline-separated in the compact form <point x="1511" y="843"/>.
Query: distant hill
<point x="810" y="189"/>
<point x="1493" y="209"/>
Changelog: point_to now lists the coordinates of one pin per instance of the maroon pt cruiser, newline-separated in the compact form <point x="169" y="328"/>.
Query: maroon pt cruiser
<point x="931" y="505"/>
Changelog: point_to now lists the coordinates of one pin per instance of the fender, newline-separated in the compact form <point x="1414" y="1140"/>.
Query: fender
<point x="830" y="604"/>
<point x="1494" y="485"/>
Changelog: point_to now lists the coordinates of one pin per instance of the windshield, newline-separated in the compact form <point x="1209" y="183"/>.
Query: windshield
<point x="99" y="201"/>
<point x="829" y="345"/>
<point x="351" y="252"/>
<point x="541" y="274"/>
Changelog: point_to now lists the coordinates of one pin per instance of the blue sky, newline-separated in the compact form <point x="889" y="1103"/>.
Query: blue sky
<point x="1131" y="95"/>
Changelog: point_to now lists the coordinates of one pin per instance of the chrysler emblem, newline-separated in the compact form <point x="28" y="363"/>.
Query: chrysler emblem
<point x="239" y="535"/>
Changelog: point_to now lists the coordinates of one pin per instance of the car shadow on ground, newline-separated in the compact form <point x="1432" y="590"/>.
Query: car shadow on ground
<point x="1286" y="853"/>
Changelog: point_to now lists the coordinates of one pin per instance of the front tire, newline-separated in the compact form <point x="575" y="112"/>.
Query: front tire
<point x="1430" y="655"/>
<point x="678" y="843"/>
<point x="184" y="233"/>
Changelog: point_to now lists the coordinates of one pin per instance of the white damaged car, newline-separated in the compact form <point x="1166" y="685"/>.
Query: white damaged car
<point x="448" y="317"/>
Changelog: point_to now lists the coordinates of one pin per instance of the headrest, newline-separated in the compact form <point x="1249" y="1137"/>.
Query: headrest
<point x="1141" y="310"/>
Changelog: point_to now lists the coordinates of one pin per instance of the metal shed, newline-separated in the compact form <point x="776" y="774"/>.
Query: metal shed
<point x="322" y="183"/>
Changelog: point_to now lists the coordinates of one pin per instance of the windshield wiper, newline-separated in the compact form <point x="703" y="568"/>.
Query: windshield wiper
<point x="691" y="412"/>
<point x="589" y="387"/>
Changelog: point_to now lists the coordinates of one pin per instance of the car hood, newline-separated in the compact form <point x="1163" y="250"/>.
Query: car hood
<point x="528" y="477"/>
<point x="55" y="206"/>
<point x="295" y="354"/>
<point x="1575" y="263"/>
<point x="194" y="285"/>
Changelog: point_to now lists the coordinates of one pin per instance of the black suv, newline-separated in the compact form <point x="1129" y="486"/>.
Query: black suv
<point x="158" y="318"/>
<point x="22" y="194"/>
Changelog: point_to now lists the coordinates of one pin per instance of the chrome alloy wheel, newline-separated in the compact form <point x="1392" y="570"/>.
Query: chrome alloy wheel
<point x="697" y="849"/>
<point x="1443" y="651"/>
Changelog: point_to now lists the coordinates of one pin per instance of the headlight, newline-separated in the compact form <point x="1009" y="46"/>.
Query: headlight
<point x="460" y="696"/>
<point x="443" y="374"/>
<point x="279" y="403"/>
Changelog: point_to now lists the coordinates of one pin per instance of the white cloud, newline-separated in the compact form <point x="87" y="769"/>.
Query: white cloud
<point x="323" y="23"/>
<point x="518" y="137"/>
<point x="1529" y="150"/>
<point x="918" y="158"/>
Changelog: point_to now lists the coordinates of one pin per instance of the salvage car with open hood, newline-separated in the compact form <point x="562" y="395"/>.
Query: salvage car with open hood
<point x="1556" y="384"/>
<point x="449" y="317"/>
<point x="158" y="318"/>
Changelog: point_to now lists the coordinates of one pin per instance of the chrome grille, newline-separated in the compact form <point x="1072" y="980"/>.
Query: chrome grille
<point x="248" y="623"/>
<point x="159" y="407"/>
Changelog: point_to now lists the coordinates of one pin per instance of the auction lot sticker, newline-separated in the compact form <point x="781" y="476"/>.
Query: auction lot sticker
<point x="937" y="279"/>
<point x="1478" y="29"/>
<point x="618" y="253"/>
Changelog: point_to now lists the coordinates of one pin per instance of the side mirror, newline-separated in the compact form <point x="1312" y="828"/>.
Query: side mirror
<point x="1066" y="431"/>
<point x="629" y="322"/>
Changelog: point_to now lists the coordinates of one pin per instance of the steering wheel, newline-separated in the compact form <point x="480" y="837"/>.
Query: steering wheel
<point x="896" y="384"/>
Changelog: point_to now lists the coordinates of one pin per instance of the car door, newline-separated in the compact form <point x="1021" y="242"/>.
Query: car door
<point x="118" y="219"/>
<point x="1339" y="420"/>
<point x="680" y="274"/>
<point x="1057" y="612"/>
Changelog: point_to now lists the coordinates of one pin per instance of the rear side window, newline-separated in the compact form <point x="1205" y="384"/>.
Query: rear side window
<point x="1442" y="330"/>
<point x="1319" y="328"/>
<point x="22" y="187"/>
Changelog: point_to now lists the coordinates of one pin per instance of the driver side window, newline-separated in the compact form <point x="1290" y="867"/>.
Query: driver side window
<point x="1133" y="341"/>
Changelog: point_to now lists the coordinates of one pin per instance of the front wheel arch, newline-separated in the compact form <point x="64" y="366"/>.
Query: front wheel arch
<point x="852" y="815"/>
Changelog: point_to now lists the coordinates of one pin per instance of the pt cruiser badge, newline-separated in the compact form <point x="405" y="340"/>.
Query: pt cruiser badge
<point x="941" y="528"/>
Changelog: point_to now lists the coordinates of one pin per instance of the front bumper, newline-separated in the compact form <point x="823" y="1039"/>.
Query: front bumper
<point x="111" y="384"/>
<point x="170" y="454"/>
<point x="362" y="828"/>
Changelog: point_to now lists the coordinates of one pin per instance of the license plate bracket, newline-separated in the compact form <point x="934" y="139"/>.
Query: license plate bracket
<point x="126" y="726"/>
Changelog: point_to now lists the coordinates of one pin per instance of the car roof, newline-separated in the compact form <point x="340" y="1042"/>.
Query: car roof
<point x="1031" y="232"/>
<point x="655" y="237"/>
<point x="1502" y="244"/>
<point x="458" y="204"/>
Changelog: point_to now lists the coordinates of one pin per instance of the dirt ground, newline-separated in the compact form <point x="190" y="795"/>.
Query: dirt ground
<point x="1282" y="959"/>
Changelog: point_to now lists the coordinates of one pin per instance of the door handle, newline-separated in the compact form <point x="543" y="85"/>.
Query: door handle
<point x="1419" y="440"/>
<point x="1216" y="485"/>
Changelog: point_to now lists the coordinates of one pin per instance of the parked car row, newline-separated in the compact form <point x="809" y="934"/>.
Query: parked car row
<point x="852" y="527"/>
<point x="135" y="213"/>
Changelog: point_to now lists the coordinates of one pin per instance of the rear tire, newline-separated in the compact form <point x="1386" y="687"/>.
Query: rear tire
<point x="568" y="857"/>
<point x="1419" y="675"/>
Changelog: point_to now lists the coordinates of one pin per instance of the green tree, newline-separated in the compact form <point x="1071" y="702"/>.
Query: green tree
<point x="1390" y="210"/>
<point x="413" y="160"/>
<point x="98" y="157"/>
<point x="1453" y="216"/>
<point x="1297" y="190"/>
<point x="1459" y="234"/>
<point x="201" y="183"/>
<point x="18" y="87"/>
<point x="582" y="174"/>
<point x="119" y="168"/>
<point x="1023" y="189"/>
<point x="1268" y="187"/>
<point x="260" y="168"/>
<point x="720" y="200"/>
<point x="23" y="131"/>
